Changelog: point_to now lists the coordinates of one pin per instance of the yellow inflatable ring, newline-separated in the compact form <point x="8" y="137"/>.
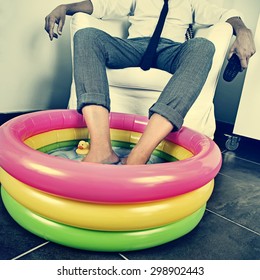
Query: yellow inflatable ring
<point x="108" y="217"/>
<point x="57" y="138"/>
<point x="107" y="241"/>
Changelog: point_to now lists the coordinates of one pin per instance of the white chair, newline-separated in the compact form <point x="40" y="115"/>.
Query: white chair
<point x="133" y="90"/>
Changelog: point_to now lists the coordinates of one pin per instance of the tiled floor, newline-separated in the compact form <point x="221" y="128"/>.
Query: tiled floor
<point x="230" y="228"/>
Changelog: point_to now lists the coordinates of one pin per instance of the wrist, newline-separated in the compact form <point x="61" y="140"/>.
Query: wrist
<point x="68" y="9"/>
<point x="243" y="30"/>
<point x="71" y="9"/>
<point x="237" y="25"/>
<point x="61" y="8"/>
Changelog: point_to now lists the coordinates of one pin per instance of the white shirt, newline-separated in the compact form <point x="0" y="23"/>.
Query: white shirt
<point x="144" y="14"/>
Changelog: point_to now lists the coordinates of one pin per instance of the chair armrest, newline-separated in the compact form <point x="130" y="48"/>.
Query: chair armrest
<point x="219" y="34"/>
<point x="115" y="27"/>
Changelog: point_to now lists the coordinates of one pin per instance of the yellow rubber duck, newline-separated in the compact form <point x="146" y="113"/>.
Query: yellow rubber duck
<point x="83" y="148"/>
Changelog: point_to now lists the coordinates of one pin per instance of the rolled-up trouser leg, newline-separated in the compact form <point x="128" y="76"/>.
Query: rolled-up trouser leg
<point x="190" y="64"/>
<point x="94" y="50"/>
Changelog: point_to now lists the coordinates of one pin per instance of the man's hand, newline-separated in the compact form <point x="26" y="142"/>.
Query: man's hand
<point x="244" y="45"/>
<point x="57" y="16"/>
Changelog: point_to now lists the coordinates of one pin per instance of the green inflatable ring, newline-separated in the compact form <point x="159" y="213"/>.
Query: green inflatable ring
<point x="92" y="240"/>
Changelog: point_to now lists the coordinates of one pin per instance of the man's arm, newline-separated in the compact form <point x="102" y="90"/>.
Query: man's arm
<point x="244" y="45"/>
<point x="58" y="16"/>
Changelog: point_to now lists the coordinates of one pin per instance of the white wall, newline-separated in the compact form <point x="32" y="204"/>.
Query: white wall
<point x="35" y="73"/>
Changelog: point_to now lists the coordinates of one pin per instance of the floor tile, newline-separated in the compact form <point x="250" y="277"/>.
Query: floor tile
<point x="54" y="251"/>
<point x="240" y="169"/>
<point x="248" y="149"/>
<point x="213" y="239"/>
<point x="14" y="239"/>
<point x="236" y="200"/>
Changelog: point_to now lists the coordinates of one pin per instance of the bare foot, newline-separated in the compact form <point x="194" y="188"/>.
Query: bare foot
<point x="136" y="157"/>
<point x="110" y="158"/>
<point x="123" y="161"/>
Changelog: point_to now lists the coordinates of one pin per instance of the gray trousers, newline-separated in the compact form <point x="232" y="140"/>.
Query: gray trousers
<point x="190" y="62"/>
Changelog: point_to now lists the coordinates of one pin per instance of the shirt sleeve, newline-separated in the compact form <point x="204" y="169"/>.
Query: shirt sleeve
<point x="205" y="13"/>
<point x="112" y="8"/>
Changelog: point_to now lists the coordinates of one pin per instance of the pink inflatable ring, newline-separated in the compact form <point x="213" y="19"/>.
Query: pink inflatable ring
<point x="104" y="183"/>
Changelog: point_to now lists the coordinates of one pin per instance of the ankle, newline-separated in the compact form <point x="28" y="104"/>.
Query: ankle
<point x="137" y="156"/>
<point x="101" y="157"/>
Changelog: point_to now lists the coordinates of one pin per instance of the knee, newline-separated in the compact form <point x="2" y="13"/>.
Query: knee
<point x="204" y="45"/>
<point x="86" y="36"/>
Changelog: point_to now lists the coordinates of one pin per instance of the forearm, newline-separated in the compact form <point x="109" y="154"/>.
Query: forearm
<point x="237" y="25"/>
<point x="84" y="7"/>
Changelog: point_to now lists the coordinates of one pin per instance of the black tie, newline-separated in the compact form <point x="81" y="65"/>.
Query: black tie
<point x="150" y="52"/>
